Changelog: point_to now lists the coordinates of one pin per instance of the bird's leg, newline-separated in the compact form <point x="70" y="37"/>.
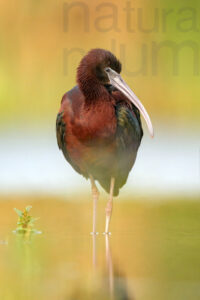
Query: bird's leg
<point x="95" y="196"/>
<point x="109" y="205"/>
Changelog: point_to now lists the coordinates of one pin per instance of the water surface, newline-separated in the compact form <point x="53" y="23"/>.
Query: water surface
<point x="153" y="252"/>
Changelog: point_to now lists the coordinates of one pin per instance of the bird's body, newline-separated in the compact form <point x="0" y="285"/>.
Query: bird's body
<point x="102" y="151"/>
<point x="98" y="127"/>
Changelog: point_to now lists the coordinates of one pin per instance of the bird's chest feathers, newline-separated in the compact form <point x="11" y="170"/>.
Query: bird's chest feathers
<point x="96" y="123"/>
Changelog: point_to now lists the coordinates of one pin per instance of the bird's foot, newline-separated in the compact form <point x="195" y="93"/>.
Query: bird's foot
<point x="94" y="233"/>
<point x="106" y="233"/>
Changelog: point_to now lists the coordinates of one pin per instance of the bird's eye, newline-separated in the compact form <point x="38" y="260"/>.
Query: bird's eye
<point x="107" y="70"/>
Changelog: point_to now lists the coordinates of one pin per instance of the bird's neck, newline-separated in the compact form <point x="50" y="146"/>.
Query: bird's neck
<point x="91" y="88"/>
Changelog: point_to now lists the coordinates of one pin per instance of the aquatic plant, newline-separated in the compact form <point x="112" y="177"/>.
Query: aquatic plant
<point x="26" y="222"/>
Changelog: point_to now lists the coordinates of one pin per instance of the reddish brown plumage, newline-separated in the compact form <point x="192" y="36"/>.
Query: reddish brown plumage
<point x="88" y="127"/>
<point x="89" y="74"/>
<point x="89" y="131"/>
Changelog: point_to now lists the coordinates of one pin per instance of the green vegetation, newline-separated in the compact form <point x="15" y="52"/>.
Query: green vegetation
<point x="25" y="223"/>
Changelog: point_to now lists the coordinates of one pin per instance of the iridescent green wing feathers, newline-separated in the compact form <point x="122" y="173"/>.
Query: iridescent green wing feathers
<point x="60" y="134"/>
<point x="129" y="129"/>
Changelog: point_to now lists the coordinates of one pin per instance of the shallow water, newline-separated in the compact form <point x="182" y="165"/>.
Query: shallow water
<point x="153" y="252"/>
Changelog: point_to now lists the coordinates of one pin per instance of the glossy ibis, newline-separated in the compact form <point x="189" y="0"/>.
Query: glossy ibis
<point x="98" y="126"/>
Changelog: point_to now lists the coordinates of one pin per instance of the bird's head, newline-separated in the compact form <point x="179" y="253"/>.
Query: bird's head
<point x="99" y="68"/>
<point x="94" y="65"/>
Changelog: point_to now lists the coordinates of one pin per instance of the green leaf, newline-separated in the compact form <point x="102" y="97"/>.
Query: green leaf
<point x="33" y="220"/>
<point x="28" y="208"/>
<point x="19" y="212"/>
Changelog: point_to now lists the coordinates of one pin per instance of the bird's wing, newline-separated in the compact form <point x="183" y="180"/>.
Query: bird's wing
<point x="60" y="134"/>
<point x="128" y="137"/>
<point x="60" y="130"/>
<point x="129" y="130"/>
<point x="129" y="126"/>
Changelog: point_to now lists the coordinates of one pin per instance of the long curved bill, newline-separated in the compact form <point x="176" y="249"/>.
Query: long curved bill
<point x="117" y="81"/>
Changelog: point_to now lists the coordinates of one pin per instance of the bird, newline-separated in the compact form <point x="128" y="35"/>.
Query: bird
<point x="98" y="126"/>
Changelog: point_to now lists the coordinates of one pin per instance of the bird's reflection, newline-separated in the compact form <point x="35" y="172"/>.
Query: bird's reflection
<point x="94" y="257"/>
<point x="114" y="283"/>
<point x="107" y="285"/>
<point x="109" y="266"/>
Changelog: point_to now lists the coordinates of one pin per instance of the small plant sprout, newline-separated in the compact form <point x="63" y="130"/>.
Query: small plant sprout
<point x="25" y="223"/>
